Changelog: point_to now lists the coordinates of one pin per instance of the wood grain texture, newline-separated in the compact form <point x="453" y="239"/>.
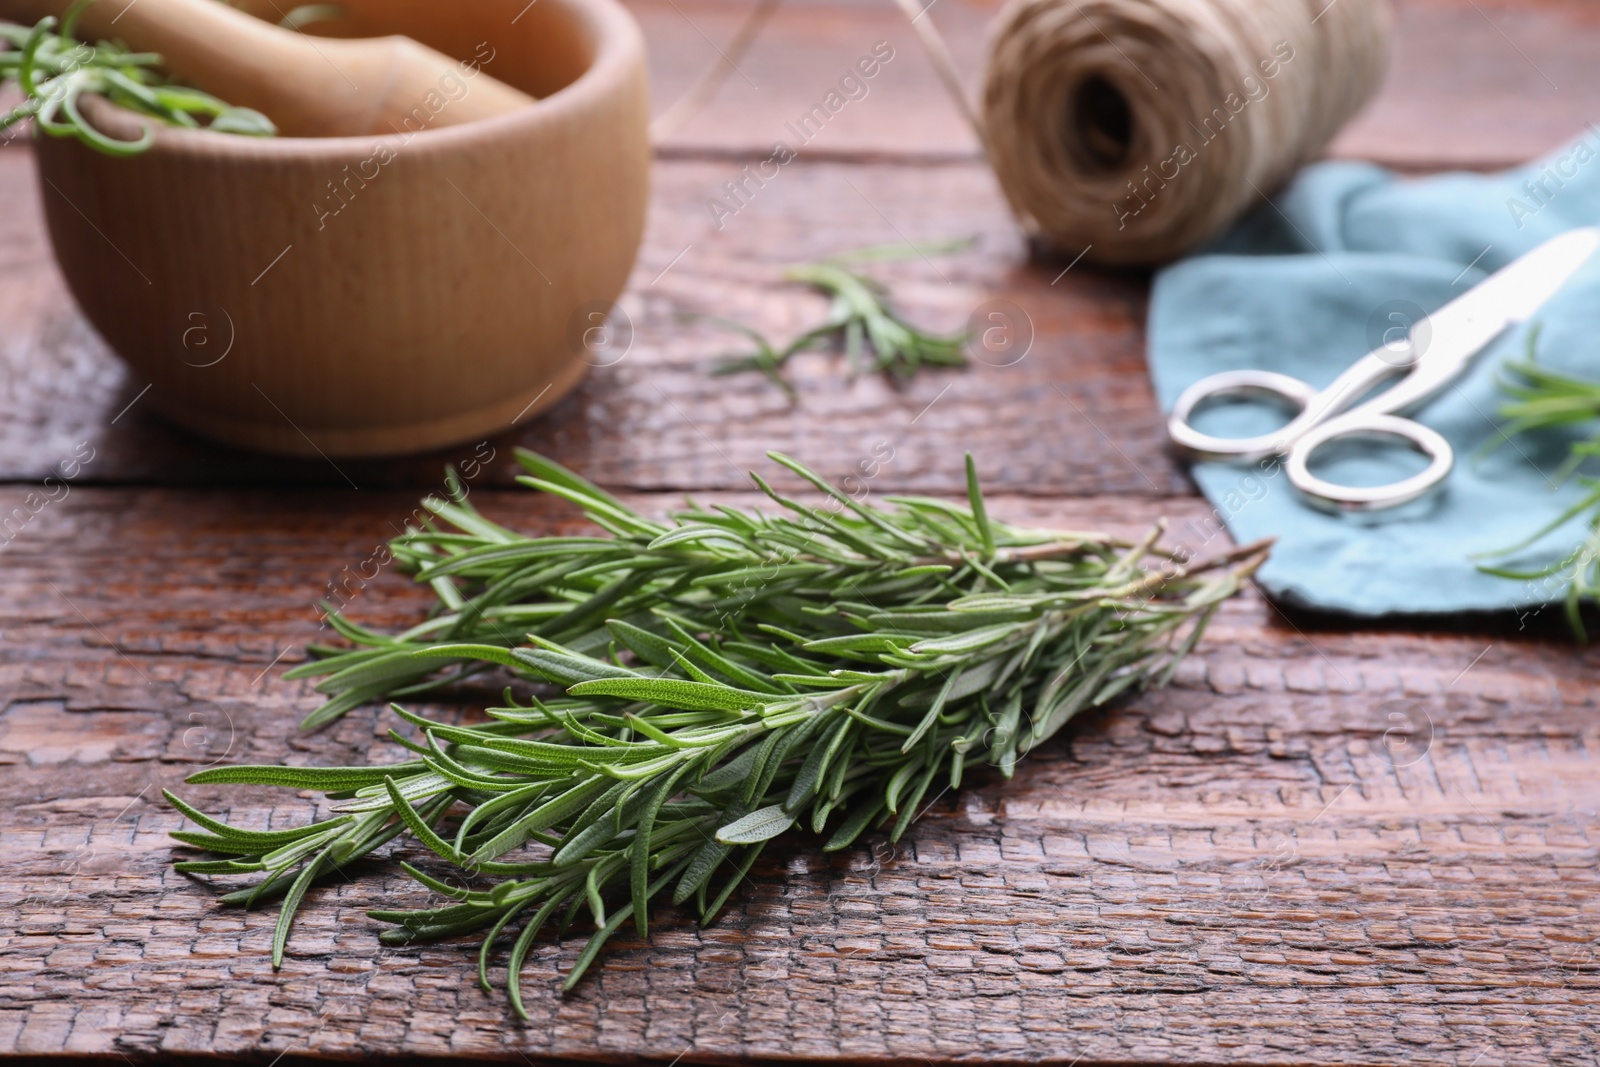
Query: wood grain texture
<point x="61" y="387"/>
<point x="1318" y="846"/>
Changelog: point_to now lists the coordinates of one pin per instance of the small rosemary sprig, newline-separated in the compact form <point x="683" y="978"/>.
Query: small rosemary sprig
<point x="54" y="70"/>
<point x="872" y="335"/>
<point x="708" y="683"/>
<point x="1544" y="399"/>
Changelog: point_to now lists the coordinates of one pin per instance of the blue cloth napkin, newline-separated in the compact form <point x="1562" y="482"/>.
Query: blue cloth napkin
<point x="1315" y="279"/>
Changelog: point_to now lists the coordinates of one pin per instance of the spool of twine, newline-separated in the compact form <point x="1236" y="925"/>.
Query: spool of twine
<point x="1131" y="131"/>
<point x="1138" y="129"/>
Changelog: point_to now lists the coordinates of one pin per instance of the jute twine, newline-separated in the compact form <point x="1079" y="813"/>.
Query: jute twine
<point x="1131" y="131"/>
<point x="1138" y="129"/>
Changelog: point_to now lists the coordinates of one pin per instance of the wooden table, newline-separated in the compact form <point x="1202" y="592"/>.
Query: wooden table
<point x="1322" y="844"/>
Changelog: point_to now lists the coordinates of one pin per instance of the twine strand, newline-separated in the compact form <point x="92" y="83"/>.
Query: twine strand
<point x="1136" y="130"/>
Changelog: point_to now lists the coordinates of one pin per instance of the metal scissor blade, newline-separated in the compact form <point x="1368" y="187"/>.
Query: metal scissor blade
<point x="1444" y="342"/>
<point x="1511" y="295"/>
<point x="1523" y="286"/>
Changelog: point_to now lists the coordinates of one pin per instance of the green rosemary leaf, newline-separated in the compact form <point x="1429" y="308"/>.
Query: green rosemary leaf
<point x="269" y="888"/>
<point x="592" y="948"/>
<point x="487" y="653"/>
<point x="540" y="818"/>
<point x="216" y="866"/>
<point x="213" y="843"/>
<point x="908" y="805"/>
<point x="420" y="829"/>
<point x="259" y="839"/>
<point x="690" y="648"/>
<point x="932" y="715"/>
<point x="692" y="533"/>
<point x="706" y="859"/>
<point x="548" y="470"/>
<point x="639" y="851"/>
<point x="567" y="668"/>
<point x="761" y="825"/>
<point x="519" y="953"/>
<point x="506" y="918"/>
<point x="855" y="825"/>
<point x="980" y="517"/>
<point x="693" y="696"/>
<point x="730" y="774"/>
<point x="325" y="779"/>
<point x="816" y="763"/>
<point x="765" y="360"/>
<point x="709" y="913"/>
<point x="860" y="322"/>
<point x="54" y="70"/>
<point x="1546" y="401"/>
<point x="291" y="904"/>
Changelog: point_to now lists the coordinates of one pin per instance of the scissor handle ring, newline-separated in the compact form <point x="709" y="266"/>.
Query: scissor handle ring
<point x="1327" y="494"/>
<point x="1228" y="384"/>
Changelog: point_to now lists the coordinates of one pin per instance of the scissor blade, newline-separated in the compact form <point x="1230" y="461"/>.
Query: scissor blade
<point x="1443" y="344"/>
<point x="1511" y="295"/>
<point x="1525" y="285"/>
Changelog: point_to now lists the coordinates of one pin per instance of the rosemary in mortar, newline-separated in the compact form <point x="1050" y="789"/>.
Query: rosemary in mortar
<point x="1544" y="399"/>
<point x="708" y="683"/>
<point x="873" y="336"/>
<point x="54" y="70"/>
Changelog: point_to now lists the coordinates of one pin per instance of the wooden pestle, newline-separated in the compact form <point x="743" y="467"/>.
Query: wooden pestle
<point x="308" y="86"/>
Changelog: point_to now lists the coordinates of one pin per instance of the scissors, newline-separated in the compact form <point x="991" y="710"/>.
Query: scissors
<point x="1436" y="351"/>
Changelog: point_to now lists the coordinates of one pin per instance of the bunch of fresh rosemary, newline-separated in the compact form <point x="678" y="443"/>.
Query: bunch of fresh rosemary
<point x="1544" y="399"/>
<point x="54" y="71"/>
<point x="873" y="336"/>
<point x="707" y="684"/>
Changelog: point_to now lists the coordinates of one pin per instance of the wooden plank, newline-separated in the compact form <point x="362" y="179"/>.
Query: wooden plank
<point x="1319" y="846"/>
<point x="655" y="418"/>
<point x="1480" y="86"/>
<point x="1471" y="84"/>
<point x="62" y="390"/>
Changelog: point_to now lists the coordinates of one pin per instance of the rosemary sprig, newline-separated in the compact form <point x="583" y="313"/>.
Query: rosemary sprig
<point x="712" y="682"/>
<point x="872" y="335"/>
<point x="1544" y="399"/>
<point x="54" y="71"/>
<point x="765" y="360"/>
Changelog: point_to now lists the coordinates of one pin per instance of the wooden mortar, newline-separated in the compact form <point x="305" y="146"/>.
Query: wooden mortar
<point x="373" y="295"/>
